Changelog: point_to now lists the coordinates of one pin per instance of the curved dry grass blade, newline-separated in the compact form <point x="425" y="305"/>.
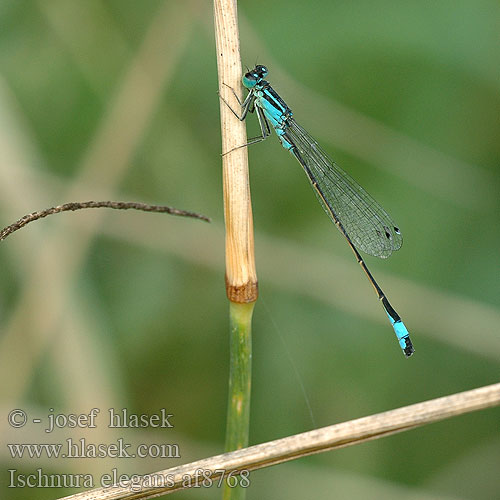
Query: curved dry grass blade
<point x="117" y="205"/>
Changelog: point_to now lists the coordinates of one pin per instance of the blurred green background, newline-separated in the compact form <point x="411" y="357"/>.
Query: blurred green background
<point x="116" y="99"/>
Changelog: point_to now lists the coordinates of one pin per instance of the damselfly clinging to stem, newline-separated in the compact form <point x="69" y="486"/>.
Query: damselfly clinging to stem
<point x="363" y="222"/>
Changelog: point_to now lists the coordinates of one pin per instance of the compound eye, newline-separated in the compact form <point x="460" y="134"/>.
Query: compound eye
<point x="250" y="79"/>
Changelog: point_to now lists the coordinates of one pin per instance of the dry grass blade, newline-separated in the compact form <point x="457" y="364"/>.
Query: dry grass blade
<point x="117" y="205"/>
<point x="307" y="443"/>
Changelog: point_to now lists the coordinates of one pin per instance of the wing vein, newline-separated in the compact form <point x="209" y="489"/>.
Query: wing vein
<point x="368" y="225"/>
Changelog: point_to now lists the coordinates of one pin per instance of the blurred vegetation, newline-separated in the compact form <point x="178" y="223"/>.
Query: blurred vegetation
<point x="116" y="99"/>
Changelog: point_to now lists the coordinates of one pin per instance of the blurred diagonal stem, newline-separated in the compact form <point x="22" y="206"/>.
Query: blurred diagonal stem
<point x="241" y="278"/>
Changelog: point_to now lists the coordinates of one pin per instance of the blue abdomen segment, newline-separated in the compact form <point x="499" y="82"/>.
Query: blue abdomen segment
<point x="400" y="329"/>
<point x="403" y="337"/>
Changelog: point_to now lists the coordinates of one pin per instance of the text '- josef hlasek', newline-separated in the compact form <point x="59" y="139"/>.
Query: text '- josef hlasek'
<point x="121" y="419"/>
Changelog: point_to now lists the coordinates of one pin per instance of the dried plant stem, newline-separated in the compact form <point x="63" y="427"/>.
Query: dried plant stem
<point x="117" y="205"/>
<point x="308" y="443"/>
<point x="241" y="277"/>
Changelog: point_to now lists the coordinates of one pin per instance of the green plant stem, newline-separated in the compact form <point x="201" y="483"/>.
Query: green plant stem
<point x="240" y="375"/>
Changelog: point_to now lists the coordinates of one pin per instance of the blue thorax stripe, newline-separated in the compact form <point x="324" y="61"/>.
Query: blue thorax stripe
<point x="270" y="95"/>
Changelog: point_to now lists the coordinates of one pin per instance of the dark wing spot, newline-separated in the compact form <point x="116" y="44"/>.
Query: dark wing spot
<point x="397" y="230"/>
<point x="388" y="234"/>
